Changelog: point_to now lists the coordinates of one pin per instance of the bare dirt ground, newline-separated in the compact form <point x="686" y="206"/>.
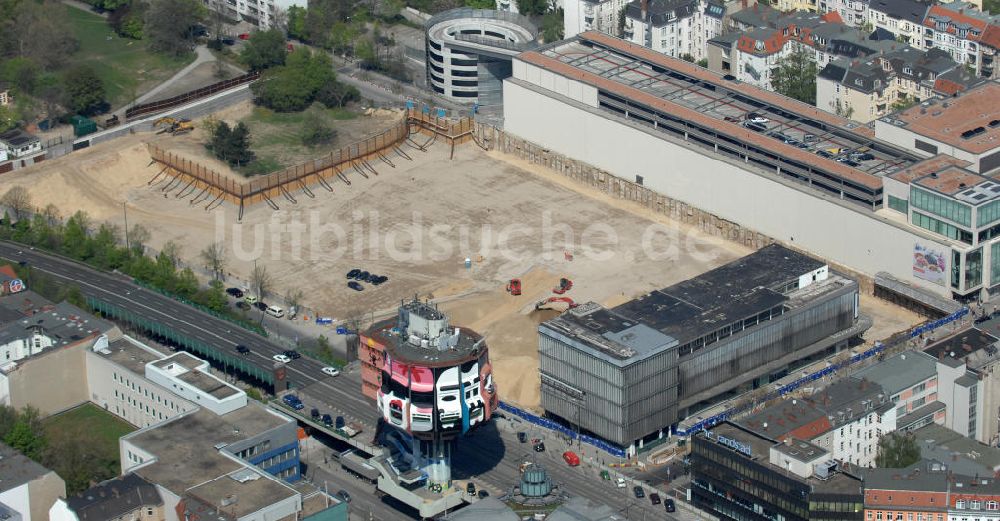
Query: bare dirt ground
<point x="416" y="222"/>
<point x="203" y="75"/>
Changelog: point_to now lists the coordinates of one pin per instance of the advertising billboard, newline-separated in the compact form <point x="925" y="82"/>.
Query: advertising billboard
<point x="928" y="264"/>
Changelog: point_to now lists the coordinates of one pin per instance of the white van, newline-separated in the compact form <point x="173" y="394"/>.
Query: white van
<point x="275" y="311"/>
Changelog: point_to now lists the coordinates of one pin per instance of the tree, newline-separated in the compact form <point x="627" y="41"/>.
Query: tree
<point x="316" y="132"/>
<point x="294" y="299"/>
<point x="264" y="50"/>
<point x="335" y="94"/>
<point x="703" y="63"/>
<point x="795" y="76"/>
<point x="239" y="145"/>
<point x="214" y="256"/>
<point x="84" y="90"/>
<point x="294" y="86"/>
<point x="297" y="23"/>
<point x="260" y="282"/>
<point x="138" y="236"/>
<point x="39" y="31"/>
<point x="843" y="109"/>
<point x="532" y="7"/>
<point x="552" y="25"/>
<point x="896" y="451"/>
<point x="25" y="440"/>
<point x="172" y="252"/>
<point x="75" y="236"/>
<point x="17" y="200"/>
<point x="169" y="25"/>
<point x="687" y="57"/>
<point x="129" y="20"/>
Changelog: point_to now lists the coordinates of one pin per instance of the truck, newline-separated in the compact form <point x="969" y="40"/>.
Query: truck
<point x="352" y="429"/>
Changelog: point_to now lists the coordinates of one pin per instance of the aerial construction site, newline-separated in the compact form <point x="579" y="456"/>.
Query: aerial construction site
<point x="442" y="213"/>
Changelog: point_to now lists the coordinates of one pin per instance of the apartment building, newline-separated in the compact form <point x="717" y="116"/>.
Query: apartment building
<point x="845" y="419"/>
<point x="596" y="15"/>
<point x="902" y="18"/>
<point x="930" y="491"/>
<point x="125" y="498"/>
<point x="678" y="28"/>
<point x="51" y="325"/>
<point x="910" y="380"/>
<point x="974" y="352"/>
<point x="958" y="28"/>
<point x="263" y="14"/>
<point x="867" y="89"/>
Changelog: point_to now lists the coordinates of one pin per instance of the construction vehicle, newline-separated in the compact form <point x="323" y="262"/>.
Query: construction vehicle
<point x="564" y="286"/>
<point x="112" y="121"/>
<point x="173" y="126"/>
<point x="556" y="303"/>
<point x="514" y="287"/>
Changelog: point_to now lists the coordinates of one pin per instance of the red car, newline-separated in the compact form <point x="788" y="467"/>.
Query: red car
<point x="244" y="36"/>
<point x="571" y="458"/>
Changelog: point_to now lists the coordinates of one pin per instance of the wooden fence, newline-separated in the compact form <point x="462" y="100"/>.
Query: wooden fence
<point x="204" y="185"/>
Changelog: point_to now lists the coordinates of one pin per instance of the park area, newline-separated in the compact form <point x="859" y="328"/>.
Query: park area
<point x="127" y="66"/>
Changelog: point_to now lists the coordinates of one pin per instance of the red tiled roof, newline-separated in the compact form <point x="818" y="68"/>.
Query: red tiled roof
<point x="991" y="36"/>
<point x="724" y="127"/>
<point x="955" y="16"/>
<point x="832" y="17"/>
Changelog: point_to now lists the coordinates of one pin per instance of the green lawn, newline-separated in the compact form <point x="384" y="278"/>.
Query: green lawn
<point x="277" y="137"/>
<point x="127" y="66"/>
<point x="105" y="427"/>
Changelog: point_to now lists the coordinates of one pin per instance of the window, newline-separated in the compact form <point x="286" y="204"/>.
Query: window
<point x="974" y="268"/>
<point x="941" y="206"/>
<point x="899" y="204"/>
<point x="941" y="228"/>
<point x="925" y="146"/>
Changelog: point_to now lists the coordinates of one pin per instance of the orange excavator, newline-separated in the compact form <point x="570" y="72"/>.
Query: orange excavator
<point x="557" y="303"/>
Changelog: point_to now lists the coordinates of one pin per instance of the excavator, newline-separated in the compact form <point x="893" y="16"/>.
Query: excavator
<point x="556" y="303"/>
<point x="173" y="126"/>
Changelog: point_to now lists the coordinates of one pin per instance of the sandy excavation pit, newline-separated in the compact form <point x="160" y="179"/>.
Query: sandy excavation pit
<point x="416" y="223"/>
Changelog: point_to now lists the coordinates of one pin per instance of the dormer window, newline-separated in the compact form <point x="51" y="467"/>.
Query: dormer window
<point x="907" y="70"/>
<point x="758" y="45"/>
<point x="859" y="82"/>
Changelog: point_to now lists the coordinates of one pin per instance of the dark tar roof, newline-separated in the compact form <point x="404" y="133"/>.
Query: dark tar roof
<point x="963" y="344"/>
<point x="18" y="137"/>
<point x="735" y="291"/>
<point x="17" y="469"/>
<point x="912" y="11"/>
<point x="114" y="498"/>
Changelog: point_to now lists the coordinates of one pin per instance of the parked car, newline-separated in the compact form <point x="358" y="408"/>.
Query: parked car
<point x="293" y="401"/>
<point x="344" y="496"/>
<point x="522" y="437"/>
<point x="314" y="413"/>
<point x="756" y="118"/>
<point x="353" y="274"/>
<point x="235" y="292"/>
<point x="654" y="498"/>
<point x="363" y="277"/>
<point x="291" y="353"/>
<point x="620" y="483"/>
<point x="355" y="286"/>
<point x="260" y="305"/>
<point x="331" y="371"/>
<point x="483" y="494"/>
<point x="639" y="492"/>
<point x="378" y="279"/>
<point x="228" y="40"/>
<point x="756" y="127"/>
<point x="327" y="420"/>
<point x="275" y="311"/>
<point x="539" y="447"/>
<point x="605" y="475"/>
<point x="668" y="504"/>
<point x="242" y="349"/>
<point x="571" y="458"/>
<point x="243" y="305"/>
<point x="281" y="358"/>
<point x="339" y="423"/>
<point x="470" y="489"/>
<point x="250" y="299"/>
<point x="731" y="119"/>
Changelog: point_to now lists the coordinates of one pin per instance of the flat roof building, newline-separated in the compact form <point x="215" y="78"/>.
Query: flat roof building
<point x="966" y="126"/>
<point x="27" y="487"/>
<point x="189" y="377"/>
<point x="739" y="474"/>
<point x="685" y="138"/>
<point x="630" y="372"/>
